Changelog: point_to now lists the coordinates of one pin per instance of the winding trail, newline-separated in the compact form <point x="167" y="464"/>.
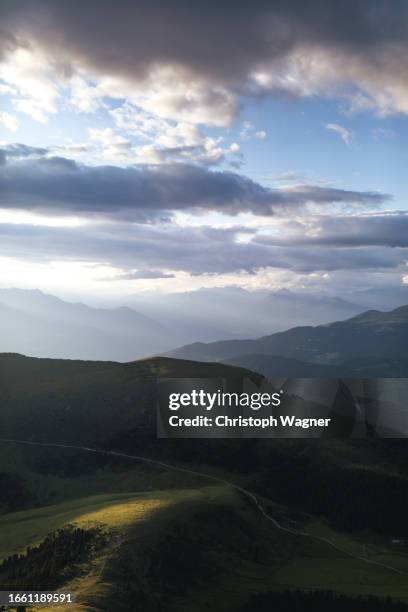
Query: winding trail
<point x="245" y="492"/>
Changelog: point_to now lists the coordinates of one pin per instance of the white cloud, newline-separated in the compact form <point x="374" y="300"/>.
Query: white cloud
<point x="249" y="131"/>
<point x="33" y="108"/>
<point x="28" y="72"/>
<point x="8" y="121"/>
<point x="138" y="122"/>
<point x="247" y="127"/>
<point x="168" y="140"/>
<point x="172" y="93"/>
<point x="85" y="98"/>
<point x="108" y="137"/>
<point x="6" y="89"/>
<point x="343" y="132"/>
<point x="114" y="146"/>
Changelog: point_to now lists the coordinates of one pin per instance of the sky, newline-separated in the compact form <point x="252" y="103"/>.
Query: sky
<point x="156" y="145"/>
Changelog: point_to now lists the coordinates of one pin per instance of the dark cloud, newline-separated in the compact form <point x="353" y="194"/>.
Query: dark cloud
<point x="201" y="250"/>
<point x="382" y="229"/>
<point x="224" y="42"/>
<point x="129" y="37"/>
<point x="19" y="150"/>
<point x="59" y="185"/>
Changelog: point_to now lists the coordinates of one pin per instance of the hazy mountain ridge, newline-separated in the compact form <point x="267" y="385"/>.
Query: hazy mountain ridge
<point x="370" y="344"/>
<point x="236" y="313"/>
<point x="42" y="325"/>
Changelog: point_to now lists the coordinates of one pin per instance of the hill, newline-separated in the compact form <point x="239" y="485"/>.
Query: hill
<point x="273" y="366"/>
<point x="87" y="401"/>
<point x="372" y="341"/>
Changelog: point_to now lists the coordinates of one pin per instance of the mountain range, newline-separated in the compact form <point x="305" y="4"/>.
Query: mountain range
<point x="366" y="344"/>
<point x="236" y="313"/>
<point x="41" y="325"/>
<point x="371" y="344"/>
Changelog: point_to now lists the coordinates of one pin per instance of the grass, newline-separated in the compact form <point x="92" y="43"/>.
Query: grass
<point x="320" y="567"/>
<point x="29" y="527"/>
<point x="118" y="476"/>
<point x="237" y="552"/>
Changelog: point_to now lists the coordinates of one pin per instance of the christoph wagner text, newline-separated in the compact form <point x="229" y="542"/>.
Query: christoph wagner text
<point x="208" y="401"/>
<point x="263" y="423"/>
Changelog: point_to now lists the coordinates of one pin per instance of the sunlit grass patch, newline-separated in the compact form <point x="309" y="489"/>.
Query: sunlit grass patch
<point x="123" y="514"/>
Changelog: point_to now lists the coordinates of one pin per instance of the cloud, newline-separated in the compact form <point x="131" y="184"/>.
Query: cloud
<point x="168" y="141"/>
<point x="249" y="131"/>
<point x="114" y="146"/>
<point x="58" y="185"/>
<point x="183" y="61"/>
<point x="84" y="98"/>
<point x="375" y="229"/>
<point x="343" y="132"/>
<point x="6" y="89"/>
<point x="72" y="148"/>
<point x="31" y="75"/>
<point x="200" y="154"/>
<point x="197" y="251"/>
<point x="234" y="147"/>
<point x="19" y="150"/>
<point x="143" y="275"/>
<point x="10" y="122"/>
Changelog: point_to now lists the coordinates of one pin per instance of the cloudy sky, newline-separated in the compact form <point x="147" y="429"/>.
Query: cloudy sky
<point x="173" y="145"/>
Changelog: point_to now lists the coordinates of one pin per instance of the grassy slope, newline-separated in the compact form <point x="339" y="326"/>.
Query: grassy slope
<point x="210" y="528"/>
<point x="197" y="548"/>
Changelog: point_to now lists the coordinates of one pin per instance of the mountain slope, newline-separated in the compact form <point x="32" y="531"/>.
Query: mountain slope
<point x="368" y="367"/>
<point x="373" y="334"/>
<point x="41" y="325"/>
